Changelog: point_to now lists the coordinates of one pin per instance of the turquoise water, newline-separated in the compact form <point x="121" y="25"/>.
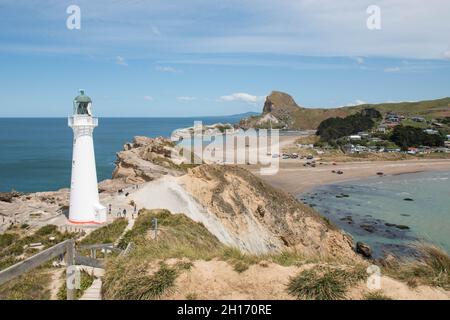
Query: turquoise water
<point x="35" y="154"/>
<point x="378" y="201"/>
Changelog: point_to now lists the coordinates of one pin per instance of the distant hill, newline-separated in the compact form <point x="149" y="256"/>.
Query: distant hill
<point x="244" y="115"/>
<point x="281" y="111"/>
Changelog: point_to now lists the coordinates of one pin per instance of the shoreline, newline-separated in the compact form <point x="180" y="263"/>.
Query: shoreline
<point x="296" y="179"/>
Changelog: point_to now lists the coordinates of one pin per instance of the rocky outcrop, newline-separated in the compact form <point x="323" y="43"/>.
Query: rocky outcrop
<point x="278" y="112"/>
<point x="207" y="130"/>
<point x="146" y="159"/>
<point x="262" y="217"/>
<point x="9" y="196"/>
<point x="279" y="102"/>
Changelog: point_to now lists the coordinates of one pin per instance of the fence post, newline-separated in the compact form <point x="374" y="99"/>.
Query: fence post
<point x="155" y="224"/>
<point x="70" y="253"/>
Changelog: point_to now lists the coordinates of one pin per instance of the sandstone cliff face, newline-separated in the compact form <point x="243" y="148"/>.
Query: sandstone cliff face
<point x="264" y="218"/>
<point x="279" y="101"/>
<point x="146" y="159"/>
<point x="279" y="111"/>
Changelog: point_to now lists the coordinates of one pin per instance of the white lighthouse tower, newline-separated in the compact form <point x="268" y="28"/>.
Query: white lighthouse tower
<point x="85" y="207"/>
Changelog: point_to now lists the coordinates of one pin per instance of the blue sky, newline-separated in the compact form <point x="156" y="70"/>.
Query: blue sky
<point x="212" y="57"/>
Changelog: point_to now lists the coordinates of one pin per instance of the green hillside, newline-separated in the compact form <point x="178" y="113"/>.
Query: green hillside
<point x="293" y="116"/>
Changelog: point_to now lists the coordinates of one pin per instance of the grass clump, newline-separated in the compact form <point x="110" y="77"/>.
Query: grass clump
<point x="178" y="237"/>
<point x="376" y="295"/>
<point x="324" y="283"/>
<point x="432" y="268"/>
<point x="107" y="234"/>
<point x="33" y="285"/>
<point x="239" y="260"/>
<point x="136" y="284"/>
<point x="288" y="258"/>
<point x="7" y="239"/>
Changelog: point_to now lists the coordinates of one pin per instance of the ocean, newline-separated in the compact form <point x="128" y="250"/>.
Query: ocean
<point x="36" y="153"/>
<point x="389" y="213"/>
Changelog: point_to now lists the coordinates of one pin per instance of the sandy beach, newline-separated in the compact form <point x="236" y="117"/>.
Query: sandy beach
<point x="294" y="178"/>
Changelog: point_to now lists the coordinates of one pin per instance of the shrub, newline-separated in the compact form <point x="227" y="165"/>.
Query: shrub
<point x="407" y="136"/>
<point x="335" y="128"/>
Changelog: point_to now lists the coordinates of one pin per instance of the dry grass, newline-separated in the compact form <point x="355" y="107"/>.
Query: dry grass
<point x="376" y="295"/>
<point x="431" y="268"/>
<point x="136" y="275"/>
<point x="33" y="285"/>
<point x="134" y="282"/>
<point x="107" y="234"/>
<point x="324" y="283"/>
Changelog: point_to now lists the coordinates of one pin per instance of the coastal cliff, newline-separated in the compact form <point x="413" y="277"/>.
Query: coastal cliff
<point x="146" y="159"/>
<point x="263" y="218"/>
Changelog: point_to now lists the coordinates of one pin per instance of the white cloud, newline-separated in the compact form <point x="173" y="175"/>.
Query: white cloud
<point x="392" y="69"/>
<point x="447" y="54"/>
<point x="186" y="98"/>
<point x="121" y="61"/>
<point x="357" y="102"/>
<point x="241" y="97"/>
<point x="410" y="29"/>
<point x="167" y="69"/>
<point x="148" y="98"/>
<point x="359" y="60"/>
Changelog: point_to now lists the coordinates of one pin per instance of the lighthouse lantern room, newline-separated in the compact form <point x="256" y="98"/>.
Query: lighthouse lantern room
<point x="85" y="207"/>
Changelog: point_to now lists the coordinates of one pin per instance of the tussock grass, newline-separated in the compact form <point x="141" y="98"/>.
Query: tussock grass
<point x="107" y="234"/>
<point x="432" y="268"/>
<point x="33" y="285"/>
<point x="136" y="283"/>
<point x="376" y="295"/>
<point x="324" y="283"/>
<point x="239" y="260"/>
<point x="180" y="238"/>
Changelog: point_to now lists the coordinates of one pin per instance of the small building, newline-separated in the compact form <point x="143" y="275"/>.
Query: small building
<point x="382" y="128"/>
<point x="363" y="134"/>
<point x="355" y="137"/>
<point x="431" y="131"/>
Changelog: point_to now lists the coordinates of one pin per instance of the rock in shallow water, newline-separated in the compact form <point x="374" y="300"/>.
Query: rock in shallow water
<point x="363" y="249"/>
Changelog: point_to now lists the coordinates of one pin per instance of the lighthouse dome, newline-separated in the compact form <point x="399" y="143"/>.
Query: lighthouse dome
<point x="82" y="104"/>
<point x="82" y="97"/>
